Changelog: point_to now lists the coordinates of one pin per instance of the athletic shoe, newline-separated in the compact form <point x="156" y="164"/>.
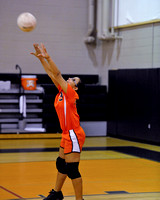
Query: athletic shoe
<point x="53" y="195"/>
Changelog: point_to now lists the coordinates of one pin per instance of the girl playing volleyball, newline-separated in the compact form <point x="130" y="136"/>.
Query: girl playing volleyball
<point x="73" y="135"/>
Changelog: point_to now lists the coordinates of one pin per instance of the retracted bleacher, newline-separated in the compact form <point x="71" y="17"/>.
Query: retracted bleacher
<point x="92" y="106"/>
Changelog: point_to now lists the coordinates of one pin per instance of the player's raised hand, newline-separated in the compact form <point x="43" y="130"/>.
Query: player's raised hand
<point x="44" y="52"/>
<point x="40" y="51"/>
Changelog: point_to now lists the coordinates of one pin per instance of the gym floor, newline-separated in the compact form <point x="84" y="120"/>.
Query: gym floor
<point x="111" y="168"/>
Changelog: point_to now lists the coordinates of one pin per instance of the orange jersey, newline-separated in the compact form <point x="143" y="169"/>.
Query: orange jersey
<point x="65" y="105"/>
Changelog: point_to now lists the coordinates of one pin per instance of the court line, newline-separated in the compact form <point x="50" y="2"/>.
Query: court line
<point x="100" y="195"/>
<point x="130" y="150"/>
<point x="116" y="192"/>
<point x="9" y="191"/>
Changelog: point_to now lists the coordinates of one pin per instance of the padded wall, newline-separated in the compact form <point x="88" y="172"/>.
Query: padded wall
<point x="134" y="104"/>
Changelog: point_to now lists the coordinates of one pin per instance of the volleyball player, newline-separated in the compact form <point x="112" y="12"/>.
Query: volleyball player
<point x="73" y="136"/>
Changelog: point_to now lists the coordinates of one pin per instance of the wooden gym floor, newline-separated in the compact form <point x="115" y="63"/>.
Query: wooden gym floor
<point x="112" y="169"/>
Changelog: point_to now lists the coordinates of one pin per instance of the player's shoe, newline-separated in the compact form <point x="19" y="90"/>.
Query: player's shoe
<point x="53" y="195"/>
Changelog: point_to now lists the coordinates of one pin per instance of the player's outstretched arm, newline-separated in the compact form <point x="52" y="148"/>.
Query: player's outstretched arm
<point x="50" y="67"/>
<point x="44" y="63"/>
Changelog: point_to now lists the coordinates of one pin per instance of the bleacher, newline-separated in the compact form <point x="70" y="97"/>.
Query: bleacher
<point x="92" y="106"/>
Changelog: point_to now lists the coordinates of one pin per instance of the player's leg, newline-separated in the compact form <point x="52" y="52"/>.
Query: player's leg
<point x="77" y="185"/>
<point x="73" y="148"/>
<point x="56" y="194"/>
<point x="61" y="167"/>
<point x="72" y="161"/>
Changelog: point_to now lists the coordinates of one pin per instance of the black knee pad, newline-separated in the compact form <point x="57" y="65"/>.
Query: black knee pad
<point x="72" y="170"/>
<point x="61" y="165"/>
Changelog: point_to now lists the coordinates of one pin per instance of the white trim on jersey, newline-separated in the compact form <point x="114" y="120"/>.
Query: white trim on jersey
<point x="65" y="108"/>
<point x="75" y="144"/>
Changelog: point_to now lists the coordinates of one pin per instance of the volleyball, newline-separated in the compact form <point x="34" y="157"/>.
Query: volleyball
<point x="26" y="22"/>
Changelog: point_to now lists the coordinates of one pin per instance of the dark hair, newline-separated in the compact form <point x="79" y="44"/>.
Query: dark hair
<point x="80" y="86"/>
<point x="80" y="92"/>
<point x="79" y="82"/>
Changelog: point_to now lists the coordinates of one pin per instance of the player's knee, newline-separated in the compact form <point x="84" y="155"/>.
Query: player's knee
<point x="61" y="165"/>
<point x="73" y="171"/>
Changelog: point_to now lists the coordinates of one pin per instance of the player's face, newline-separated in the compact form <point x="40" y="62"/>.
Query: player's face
<point x="73" y="82"/>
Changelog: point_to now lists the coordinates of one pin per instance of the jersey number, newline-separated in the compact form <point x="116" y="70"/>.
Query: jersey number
<point x="61" y="97"/>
